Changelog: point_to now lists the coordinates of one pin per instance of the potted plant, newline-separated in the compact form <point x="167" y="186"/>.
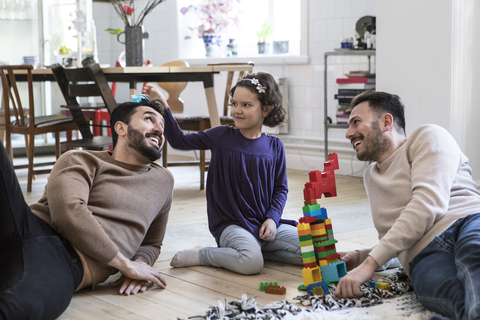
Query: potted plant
<point x="267" y="30"/>
<point x="215" y="16"/>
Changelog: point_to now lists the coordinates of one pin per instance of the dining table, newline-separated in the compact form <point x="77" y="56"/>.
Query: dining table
<point x="134" y="75"/>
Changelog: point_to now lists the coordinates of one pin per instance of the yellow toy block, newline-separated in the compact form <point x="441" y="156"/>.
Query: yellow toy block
<point x="318" y="232"/>
<point x="306" y="243"/>
<point x="322" y="263"/>
<point x="309" y="260"/>
<point x="327" y="221"/>
<point x="311" y="275"/>
<point x="303" y="226"/>
<point x="382" y="285"/>
<point x="332" y="260"/>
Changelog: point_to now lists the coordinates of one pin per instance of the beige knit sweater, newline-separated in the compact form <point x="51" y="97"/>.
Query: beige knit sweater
<point x="103" y="206"/>
<point x="417" y="193"/>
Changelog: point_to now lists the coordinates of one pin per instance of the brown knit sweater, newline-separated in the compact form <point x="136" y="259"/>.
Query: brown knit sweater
<point x="103" y="206"/>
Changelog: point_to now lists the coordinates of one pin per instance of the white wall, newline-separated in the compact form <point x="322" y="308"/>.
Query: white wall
<point x="472" y="81"/>
<point x="328" y="22"/>
<point x="427" y="53"/>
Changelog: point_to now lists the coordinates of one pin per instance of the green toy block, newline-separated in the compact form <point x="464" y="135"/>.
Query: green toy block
<point x="309" y="208"/>
<point x="263" y="285"/>
<point x="305" y="238"/>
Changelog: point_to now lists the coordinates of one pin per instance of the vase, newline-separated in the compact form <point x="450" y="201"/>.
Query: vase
<point x="232" y="48"/>
<point x="263" y="47"/>
<point x="134" y="45"/>
<point x="213" y="44"/>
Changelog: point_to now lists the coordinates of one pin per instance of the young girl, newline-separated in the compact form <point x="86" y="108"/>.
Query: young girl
<point x="246" y="183"/>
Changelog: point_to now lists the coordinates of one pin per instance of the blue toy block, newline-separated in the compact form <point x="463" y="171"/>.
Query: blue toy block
<point x="372" y="283"/>
<point x="318" y="288"/>
<point x="334" y="271"/>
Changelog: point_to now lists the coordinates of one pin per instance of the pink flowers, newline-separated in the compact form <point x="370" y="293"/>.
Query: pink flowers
<point x="215" y="15"/>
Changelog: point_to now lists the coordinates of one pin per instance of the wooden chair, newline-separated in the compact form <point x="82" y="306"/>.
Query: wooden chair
<point x="195" y="123"/>
<point x="85" y="82"/>
<point x="27" y="123"/>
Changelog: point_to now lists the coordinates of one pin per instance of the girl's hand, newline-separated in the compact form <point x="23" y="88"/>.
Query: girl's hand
<point x="153" y="93"/>
<point x="268" y="231"/>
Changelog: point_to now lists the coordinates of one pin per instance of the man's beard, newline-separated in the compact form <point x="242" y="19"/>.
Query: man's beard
<point x="375" y="144"/>
<point x="136" y="140"/>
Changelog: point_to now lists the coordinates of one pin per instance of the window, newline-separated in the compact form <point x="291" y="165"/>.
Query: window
<point x="285" y="14"/>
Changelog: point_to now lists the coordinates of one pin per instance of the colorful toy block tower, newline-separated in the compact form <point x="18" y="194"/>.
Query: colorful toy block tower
<point x="320" y="258"/>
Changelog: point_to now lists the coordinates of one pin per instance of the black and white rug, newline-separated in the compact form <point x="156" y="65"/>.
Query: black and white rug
<point x="398" y="303"/>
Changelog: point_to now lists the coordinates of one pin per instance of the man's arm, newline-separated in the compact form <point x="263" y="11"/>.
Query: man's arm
<point x="68" y="191"/>
<point x="135" y="275"/>
<point x="349" y="285"/>
<point x="433" y="162"/>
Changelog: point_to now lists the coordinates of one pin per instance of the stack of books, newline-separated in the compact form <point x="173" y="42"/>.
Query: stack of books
<point x="355" y="83"/>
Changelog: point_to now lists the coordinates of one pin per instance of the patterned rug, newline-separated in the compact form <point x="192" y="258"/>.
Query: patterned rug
<point x="398" y="303"/>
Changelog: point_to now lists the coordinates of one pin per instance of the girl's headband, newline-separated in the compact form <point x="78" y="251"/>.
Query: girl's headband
<point x="256" y="83"/>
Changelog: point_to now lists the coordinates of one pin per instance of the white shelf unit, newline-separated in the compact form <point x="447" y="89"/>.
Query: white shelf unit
<point x="327" y="126"/>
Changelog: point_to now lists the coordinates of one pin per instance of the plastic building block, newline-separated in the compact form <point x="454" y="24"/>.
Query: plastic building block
<point x="311" y="275"/>
<point x="275" y="290"/>
<point x="310" y="208"/>
<point x="306" y="220"/>
<point x="310" y="202"/>
<point x="372" y="283"/>
<point x="381" y="285"/>
<point x="334" y="271"/>
<point x="302" y="287"/>
<point x="318" y="289"/>
<point x="303" y="226"/>
<point x="263" y="285"/>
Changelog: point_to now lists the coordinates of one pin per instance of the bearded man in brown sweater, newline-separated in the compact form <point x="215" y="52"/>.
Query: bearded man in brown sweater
<point x="101" y="213"/>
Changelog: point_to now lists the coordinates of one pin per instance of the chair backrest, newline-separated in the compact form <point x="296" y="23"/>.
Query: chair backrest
<point x="11" y="100"/>
<point x="83" y="82"/>
<point x="174" y="89"/>
<point x="230" y="83"/>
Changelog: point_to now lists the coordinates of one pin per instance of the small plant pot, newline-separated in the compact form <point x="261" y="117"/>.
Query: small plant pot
<point x="263" y="47"/>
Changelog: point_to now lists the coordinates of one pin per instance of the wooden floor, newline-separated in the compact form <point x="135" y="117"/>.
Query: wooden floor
<point x="191" y="291"/>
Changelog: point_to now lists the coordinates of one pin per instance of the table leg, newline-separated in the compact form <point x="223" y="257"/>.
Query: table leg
<point x="211" y="101"/>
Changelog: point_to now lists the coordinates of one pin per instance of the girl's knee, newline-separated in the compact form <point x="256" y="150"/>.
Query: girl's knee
<point x="251" y="264"/>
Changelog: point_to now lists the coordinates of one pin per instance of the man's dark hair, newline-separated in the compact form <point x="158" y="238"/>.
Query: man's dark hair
<point x="124" y="112"/>
<point x="381" y="103"/>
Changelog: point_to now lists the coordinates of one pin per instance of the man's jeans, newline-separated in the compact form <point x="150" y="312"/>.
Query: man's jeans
<point x="39" y="270"/>
<point x="446" y="274"/>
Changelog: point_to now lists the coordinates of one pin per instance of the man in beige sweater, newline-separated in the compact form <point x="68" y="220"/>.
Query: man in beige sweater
<point x="101" y="213"/>
<point x="425" y="207"/>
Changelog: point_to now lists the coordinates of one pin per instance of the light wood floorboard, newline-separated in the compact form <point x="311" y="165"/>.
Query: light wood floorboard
<point x="191" y="291"/>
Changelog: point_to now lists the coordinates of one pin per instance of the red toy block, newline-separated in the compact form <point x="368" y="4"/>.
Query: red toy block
<point x="307" y="219"/>
<point x="308" y="193"/>
<point x="332" y="159"/>
<point x="310" y="265"/>
<point x="275" y="290"/>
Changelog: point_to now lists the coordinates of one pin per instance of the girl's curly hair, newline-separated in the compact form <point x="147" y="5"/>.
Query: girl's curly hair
<point x="271" y="97"/>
